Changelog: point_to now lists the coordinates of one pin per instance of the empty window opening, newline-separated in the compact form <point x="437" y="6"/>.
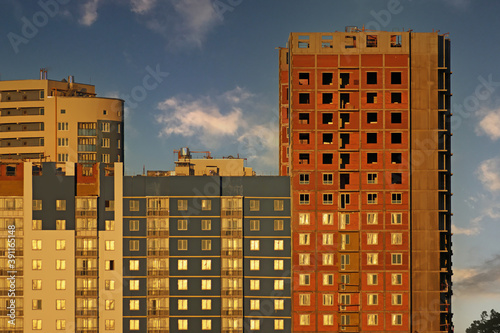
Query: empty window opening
<point x="371" y="137"/>
<point x="304" y="118"/>
<point x="303" y="79"/>
<point x="344" y="180"/>
<point x="371" y="40"/>
<point x="395" y="97"/>
<point x="304" y="98"/>
<point x="327" y="45"/>
<point x="371" y="158"/>
<point x="304" y="138"/>
<point x="344" y="140"/>
<point x="345" y="159"/>
<point x="344" y="101"/>
<point x="327" y="138"/>
<point x="395" y="77"/>
<point x="371" y="117"/>
<point x="344" y="119"/>
<point x="327" y="98"/>
<point x="303" y="44"/>
<point x="371" y="77"/>
<point x="371" y="97"/>
<point x="344" y="79"/>
<point x="327" y="79"/>
<point x="327" y="158"/>
<point x="303" y="158"/>
<point x="395" y="40"/>
<point x="350" y="42"/>
<point x="327" y="118"/>
<point x="396" y="178"/>
<point x="396" y="158"/>
<point x="396" y="138"/>
<point x="396" y="118"/>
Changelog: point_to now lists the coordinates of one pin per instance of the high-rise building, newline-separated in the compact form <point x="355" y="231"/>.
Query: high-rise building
<point x="59" y="121"/>
<point x="365" y="139"/>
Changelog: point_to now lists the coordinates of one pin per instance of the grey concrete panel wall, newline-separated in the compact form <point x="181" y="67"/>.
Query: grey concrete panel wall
<point x="143" y="288"/>
<point x="260" y="186"/>
<point x="267" y="227"/>
<point x="194" y="227"/>
<point x="142" y="227"/>
<point x="171" y="186"/>
<point x="194" y="247"/>
<point x="142" y="247"/>
<point x="195" y="324"/>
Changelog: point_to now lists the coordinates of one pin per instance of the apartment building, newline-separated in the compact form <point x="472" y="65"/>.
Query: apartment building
<point x="59" y="121"/>
<point x="104" y="252"/>
<point x="365" y="140"/>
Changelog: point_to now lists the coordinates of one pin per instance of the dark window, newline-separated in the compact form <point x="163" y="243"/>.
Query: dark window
<point x="344" y="160"/>
<point x="344" y="140"/>
<point x="396" y="138"/>
<point x="328" y="178"/>
<point x="395" y="97"/>
<point x="327" y="98"/>
<point x="304" y="98"/>
<point x="344" y="100"/>
<point x="371" y="77"/>
<point x="327" y="79"/>
<point x="396" y="178"/>
<point x="344" y="79"/>
<point x="304" y="178"/>
<point x="327" y="118"/>
<point x="303" y="79"/>
<point x="303" y="158"/>
<point x="371" y="137"/>
<point x="327" y="138"/>
<point x="371" y="117"/>
<point x="396" y="118"/>
<point x="371" y="158"/>
<point x="11" y="171"/>
<point x="371" y="40"/>
<point x="396" y="158"/>
<point x="327" y="158"/>
<point x="111" y="265"/>
<point x="344" y="180"/>
<point x="344" y="118"/>
<point x="304" y="138"/>
<point x="304" y="118"/>
<point x="395" y="77"/>
<point x="371" y="97"/>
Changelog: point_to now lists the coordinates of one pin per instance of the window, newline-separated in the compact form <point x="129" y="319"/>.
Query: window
<point x="396" y="218"/>
<point x="304" y="258"/>
<point x="134" y="285"/>
<point x="328" y="259"/>
<point x="37" y="204"/>
<point x="206" y="224"/>
<point x="372" y="178"/>
<point x="328" y="279"/>
<point x="372" y="238"/>
<point x="371" y="158"/>
<point x="105" y="127"/>
<point x="60" y="264"/>
<point x="396" y="238"/>
<point x="396" y="158"/>
<point x="110" y="304"/>
<point x="397" y="259"/>
<point x="304" y="279"/>
<point x="206" y="244"/>
<point x="372" y="198"/>
<point x="278" y="225"/>
<point x="327" y="218"/>
<point x="254" y="245"/>
<point x="304" y="239"/>
<point x="278" y="245"/>
<point x="372" y="258"/>
<point x="396" y="118"/>
<point x="110" y="225"/>
<point x="109" y="285"/>
<point x="304" y="198"/>
<point x="254" y="205"/>
<point x="279" y="324"/>
<point x="328" y="320"/>
<point x="304" y="118"/>
<point x="206" y="264"/>
<point x="206" y="324"/>
<point x="182" y="204"/>
<point x="182" y="284"/>
<point x="371" y="40"/>
<point x="396" y="178"/>
<point x="371" y="98"/>
<point x="134" y="304"/>
<point x="37" y="264"/>
<point x="133" y="205"/>
<point x="36" y="225"/>
<point x="254" y="265"/>
<point x="396" y="198"/>
<point x="327" y="158"/>
<point x="303" y="158"/>
<point x="182" y="245"/>
<point x="109" y="265"/>
<point x="344" y="220"/>
<point x="134" y="265"/>
<point x="255" y="323"/>
<point x="36" y="304"/>
<point x="371" y="77"/>
<point x="396" y="138"/>
<point x="303" y="178"/>
<point x="303" y="79"/>
<point x="182" y="304"/>
<point x="62" y="126"/>
<point x="372" y="299"/>
<point x="182" y="324"/>
<point x="371" y="137"/>
<point x="397" y="299"/>
<point x="395" y="77"/>
<point x="344" y="299"/>
<point x="60" y="284"/>
<point x="36" y="244"/>
<point x="254" y="225"/>
<point x="109" y="205"/>
<point x="327" y="98"/>
<point x="279" y="304"/>
<point x="397" y="319"/>
<point x="206" y="204"/>
<point x="109" y="324"/>
<point x="182" y="225"/>
<point x="36" y="284"/>
<point x="62" y="142"/>
<point x="254" y="284"/>
<point x="396" y="97"/>
<point x="372" y="319"/>
<point x="395" y="40"/>
<point x="105" y="142"/>
<point x="397" y="279"/>
<point x="304" y="219"/>
<point x="350" y="42"/>
<point x="304" y="320"/>
<point x="60" y="244"/>
<point x="304" y="98"/>
<point x="133" y="245"/>
<point x="254" y="304"/>
<point x="109" y="245"/>
<point x="345" y="260"/>
<point x="205" y="284"/>
<point x="327" y="299"/>
<point x="304" y="138"/>
<point x="105" y="158"/>
<point x="278" y="205"/>
<point x="60" y="304"/>
<point x="345" y="240"/>
<point x="36" y="324"/>
<point x="327" y="199"/>
<point x="304" y="299"/>
<point x="327" y="239"/>
<point x="134" y="324"/>
<point x="133" y="225"/>
<point x="182" y="264"/>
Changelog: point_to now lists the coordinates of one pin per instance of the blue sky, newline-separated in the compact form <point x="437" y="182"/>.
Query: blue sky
<point x="187" y="66"/>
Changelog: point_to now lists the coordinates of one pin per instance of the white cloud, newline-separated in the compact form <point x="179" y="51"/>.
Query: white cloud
<point x="474" y="228"/>
<point x="483" y="279"/>
<point x="488" y="173"/>
<point x="142" y="6"/>
<point x="489" y="125"/>
<point x="89" y="12"/>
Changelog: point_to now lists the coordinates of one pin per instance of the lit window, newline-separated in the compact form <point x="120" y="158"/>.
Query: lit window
<point x="328" y="279"/>
<point x="372" y="279"/>
<point x="372" y="258"/>
<point x="60" y="224"/>
<point x="60" y="284"/>
<point x="278" y="245"/>
<point x="134" y="304"/>
<point x="278" y="264"/>
<point x="134" y="325"/>
<point x="206" y="245"/>
<point x="133" y="205"/>
<point x="278" y="225"/>
<point x="304" y="259"/>
<point x="304" y="239"/>
<point x="372" y="319"/>
<point x="304" y="320"/>
<point x="182" y="264"/>
<point x="206" y="224"/>
<point x="327" y="239"/>
<point x="134" y="265"/>
<point x="36" y="244"/>
<point x="182" y="224"/>
<point x="206" y="265"/>
<point x="396" y="238"/>
<point x="60" y="304"/>
<point x="328" y="259"/>
<point x="372" y="218"/>
<point x="279" y="304"/>
<point x="304" y="279"/>
<point x="36" y="304"/>
<point x="328" y="299"/>
<point x="206" y="324"/>
<point x="279" y="284"/>
<point x="254" y="245"/>
<point x="397" y="259"/>
<point x="279" y="324"/>
<point x="397" y="319"/>
<point x="60" y="244"/>
<point x="182" y="324"/>
<point x="372" y="238"/>
<point x="36" y="284"/>
<point x="109" y="225"/>
<point x="134" y="285"/>
<point x="254" y="205"/>
<point x="304" y="299"/>
<point x="182" y="284"/>
<point x="182" y="245"/>
<point x="397" y="299"/>
<point x="344" y="220"/>
<point x="328" y="320"/>
<point x="304" y="219"/>
<point x="60" y="204"/>
<point x="206" y="304"/>
<point x="206" y="204"/>
<point x="36" y="324"/>
<point x="109" y="265"/>
<point x="109" y="245"/>
<point x="254" y="225"/>
<point x="396" y="218"/>
<point x="182" y="304"/>
<point x="60" y="264"/>
<point x="205" y="284"/>
<point x="372" y="299"/>
<point x="37" y="264"/>
<point x="254" y="284"/>
<point x="109" y="285"/>
<point x="36" y="225"/>
<point x="254" y="304"/>
<point x="109" y="324"/>
<point x="327" y="218"/>
<point x="110" y="304"/>
<point x="397" y="279"/>
<point x="254" y="265"/>
<point x="37" y="205"/>
<point x="254" y="324"/>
